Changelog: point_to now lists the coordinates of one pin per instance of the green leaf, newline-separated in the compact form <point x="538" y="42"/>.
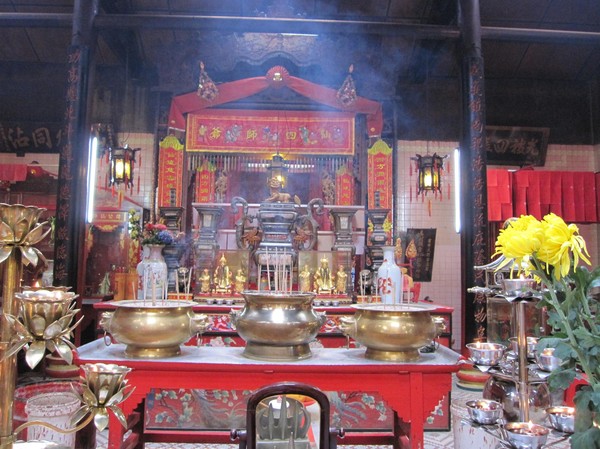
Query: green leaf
<point x="588" y="439"/>
<point x="561" y="379"/>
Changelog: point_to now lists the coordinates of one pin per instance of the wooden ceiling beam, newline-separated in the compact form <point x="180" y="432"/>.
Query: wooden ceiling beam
<point x="297" y="25"/>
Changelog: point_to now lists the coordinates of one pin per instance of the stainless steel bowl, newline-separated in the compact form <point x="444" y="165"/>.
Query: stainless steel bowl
<point x="531" y="346"/>
<point x="486" y="354"/>
<point x="547" y="361"/>
<point x="562" y="418"/>
<point x="522" y="435"/>
<point x="484" y="411"/>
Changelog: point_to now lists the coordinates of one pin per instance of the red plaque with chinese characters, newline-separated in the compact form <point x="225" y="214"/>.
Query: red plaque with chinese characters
<point x="344" y="186"/>
<point x="294" y="132"/>
<point x="170" y="172"/>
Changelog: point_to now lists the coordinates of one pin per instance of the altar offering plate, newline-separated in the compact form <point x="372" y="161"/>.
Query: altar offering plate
<point x="153" y="329"/>
<point x="522" y="435"/>
<point x="484" y="411"/>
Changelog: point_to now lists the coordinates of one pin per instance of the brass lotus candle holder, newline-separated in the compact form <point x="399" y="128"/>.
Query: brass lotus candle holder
<point x="44" y="323"/>
<point x="103" y="389"/>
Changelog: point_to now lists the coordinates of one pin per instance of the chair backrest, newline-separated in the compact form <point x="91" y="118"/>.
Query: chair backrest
<point x="290" y="415"/>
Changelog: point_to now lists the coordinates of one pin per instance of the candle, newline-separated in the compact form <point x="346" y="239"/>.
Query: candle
<point x="268" y="272"/>
<point x="189" y="282"/>
<point x="258" y="264"/>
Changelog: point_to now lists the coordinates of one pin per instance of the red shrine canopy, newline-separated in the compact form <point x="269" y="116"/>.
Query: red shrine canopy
<point x="235" y="90"/>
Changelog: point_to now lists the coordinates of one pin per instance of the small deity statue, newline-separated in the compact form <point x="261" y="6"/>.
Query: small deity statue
<point x="240" y="281"/>
<point x="323" y="278"/>
<point x="222" y="276"/>
<point x="104" y="286"/>
<point x="305" y="280"/>
<point x="221" y="187"/>
<point x="205" y="281"/>
<point x="328" y="188"/>
<point x="341" y="283"/>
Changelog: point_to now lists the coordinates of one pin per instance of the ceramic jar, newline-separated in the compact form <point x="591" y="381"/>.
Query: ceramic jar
<point x="152" y="273"/>
<point x="389" y="278"/>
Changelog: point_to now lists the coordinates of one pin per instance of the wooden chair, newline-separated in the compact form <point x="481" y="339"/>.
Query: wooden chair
<point x="284" y="415"/>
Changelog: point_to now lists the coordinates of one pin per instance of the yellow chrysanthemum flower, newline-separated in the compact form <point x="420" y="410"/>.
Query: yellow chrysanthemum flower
<point x="560" y="241"/>
<point x="519" y="240"/>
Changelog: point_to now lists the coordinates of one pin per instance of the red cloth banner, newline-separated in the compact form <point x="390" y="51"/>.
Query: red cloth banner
<point x="289" y="132"/>
<point x="170" y="172"/>
<point x="235" y="90"/>
<point x="344" y="187"/>
<point x="205" y="182"/>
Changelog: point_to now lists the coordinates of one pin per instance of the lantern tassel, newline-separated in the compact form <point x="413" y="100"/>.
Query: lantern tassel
<point x="429" y="207"/>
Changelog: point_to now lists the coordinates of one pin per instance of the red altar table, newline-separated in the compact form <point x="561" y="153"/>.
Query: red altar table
<point x="412" y="390"/>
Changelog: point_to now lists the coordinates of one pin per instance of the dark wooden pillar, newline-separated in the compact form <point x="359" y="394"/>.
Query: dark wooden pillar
<point x="474" y="234"/>
<point x="71" y="198"/>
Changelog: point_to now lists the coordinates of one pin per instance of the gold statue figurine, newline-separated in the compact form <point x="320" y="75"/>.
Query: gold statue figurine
<point x="324" y="278"/>
<point x="305" y="281"/>
<point x="205" y="281"/>
<point x="222" y="276"/>
<point x="240" y="281"/>
<point x="341" y="283"/>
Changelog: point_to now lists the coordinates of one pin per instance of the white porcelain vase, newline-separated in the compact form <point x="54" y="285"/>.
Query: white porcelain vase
<point x="152" y="273"/>
<point x="389" y="278"/>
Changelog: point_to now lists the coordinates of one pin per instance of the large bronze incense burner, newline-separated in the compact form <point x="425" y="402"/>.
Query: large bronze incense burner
<point x="392" y="332"/>
<point x="153" y="329"/>
<point x="277" y="326"/>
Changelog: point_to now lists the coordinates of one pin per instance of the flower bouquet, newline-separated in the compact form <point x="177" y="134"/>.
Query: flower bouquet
<point x="156" y="234"/>
<point x="550" y="251"/>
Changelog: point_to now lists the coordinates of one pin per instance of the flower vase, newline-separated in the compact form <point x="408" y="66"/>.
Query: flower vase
<point x="152" y="273"/>
<point x="389" y="278"/>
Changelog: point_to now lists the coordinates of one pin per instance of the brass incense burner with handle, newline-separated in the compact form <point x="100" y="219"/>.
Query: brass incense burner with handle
<point x="153" y="330"/>
<point x="277" y="326"/>
<point x="392" y="332"/>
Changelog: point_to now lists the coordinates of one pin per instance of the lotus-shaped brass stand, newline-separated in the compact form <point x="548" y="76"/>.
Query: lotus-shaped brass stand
<point x="44" y="323"/>
<point x="38" y="320"/>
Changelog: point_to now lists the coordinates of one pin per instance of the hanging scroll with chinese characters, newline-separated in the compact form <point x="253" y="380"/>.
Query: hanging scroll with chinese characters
<point x="344" y="186"/>
<point x="170" y="172"/>
<point x="380" y="180"/>
<point x="289" y="132"/>
<point x="205" y="182"/>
